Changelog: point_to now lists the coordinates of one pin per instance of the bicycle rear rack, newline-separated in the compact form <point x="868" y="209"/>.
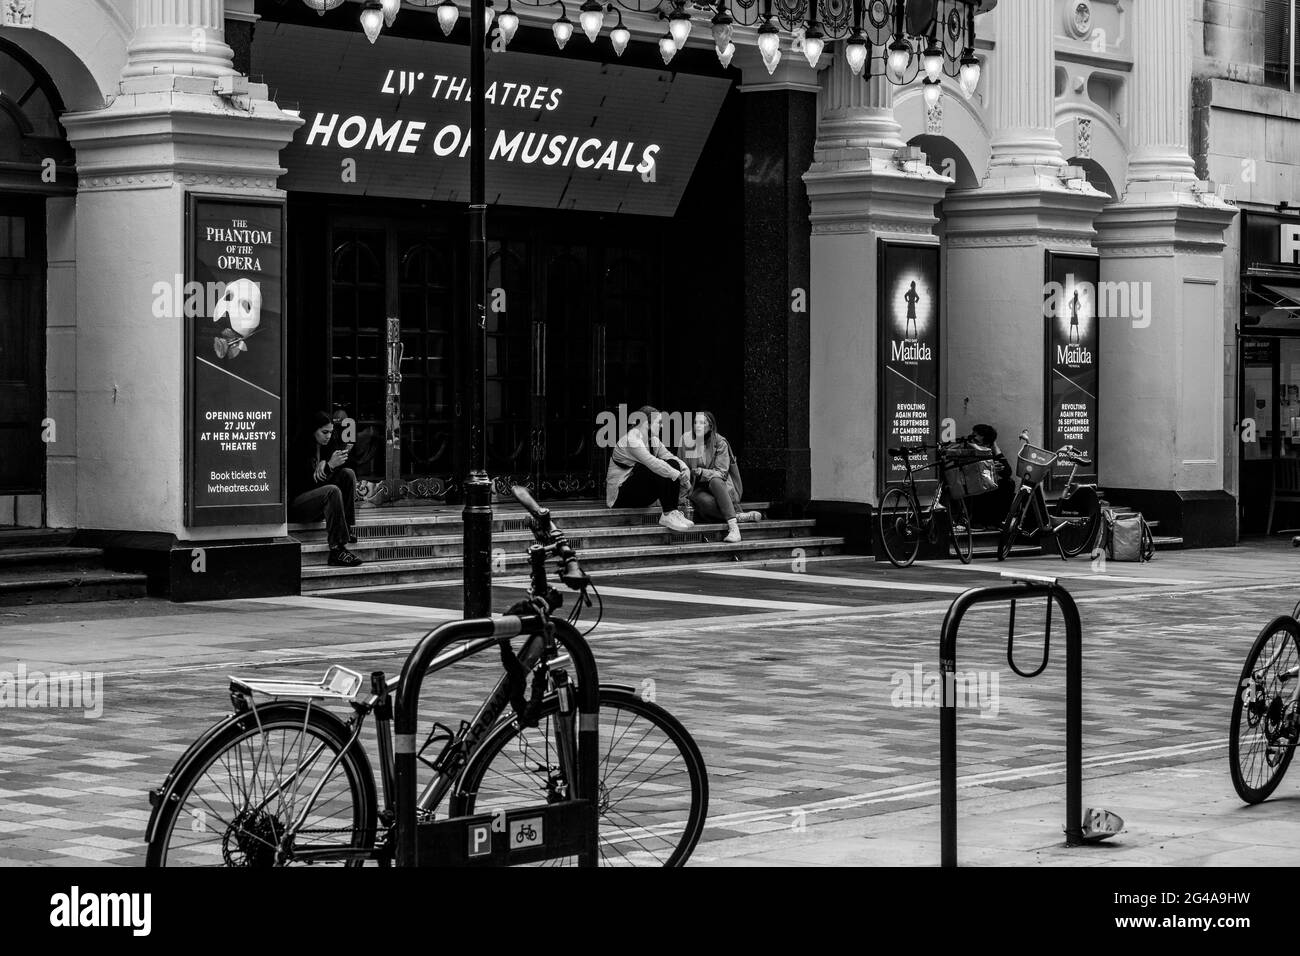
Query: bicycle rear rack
<point x="508" y="837"/>
<point x="1027" y="586"/>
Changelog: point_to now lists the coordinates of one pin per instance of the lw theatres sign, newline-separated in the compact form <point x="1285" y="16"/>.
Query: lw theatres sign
<point x="392" y="119"/>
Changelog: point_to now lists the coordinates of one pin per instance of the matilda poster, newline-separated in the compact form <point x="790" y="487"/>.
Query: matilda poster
<point x="232" y="301"/>
<point x="1070" y="311"/>
<point x="909" y="353"/>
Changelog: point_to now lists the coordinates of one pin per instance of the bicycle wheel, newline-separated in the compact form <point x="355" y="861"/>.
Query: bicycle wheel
<point x="1265" y="725"/>
<point x="1010" y="529"/>
<point x="653" y="791"/>
<point x="900" y="527"/>
<point x="1083" y="512"/>
<point x="237" y="798"/>
<point x="959" y="529"/>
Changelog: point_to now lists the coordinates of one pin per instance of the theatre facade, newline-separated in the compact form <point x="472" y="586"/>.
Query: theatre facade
<point x="217" y="216"/>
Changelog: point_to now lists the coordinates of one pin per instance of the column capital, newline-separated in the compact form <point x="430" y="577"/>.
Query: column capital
<point x="1188" y="222"/>
<point x="875" y="196"/>
<point x="1054" y="213"/>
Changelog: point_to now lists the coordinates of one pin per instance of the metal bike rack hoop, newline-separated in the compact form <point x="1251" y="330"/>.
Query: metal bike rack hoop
<point x="487" y="633"/>
<point x="1026" y="586"/>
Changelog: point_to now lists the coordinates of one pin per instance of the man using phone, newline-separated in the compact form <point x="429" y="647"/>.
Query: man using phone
<point x="323" y="487"/>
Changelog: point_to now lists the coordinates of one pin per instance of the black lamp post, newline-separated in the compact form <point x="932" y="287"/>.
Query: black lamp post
<point x="477" y="515"/>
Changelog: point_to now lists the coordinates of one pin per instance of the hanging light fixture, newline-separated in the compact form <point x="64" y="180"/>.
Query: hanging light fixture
<point x="679" y="26"/>
<point x="932" y="60"/>
<point x="591" y="18"/>
<point x="769" y="44"/>
<point x="562" y="29"/>
<point x="969" y="73"/>
<point x="814" y="41"/>
<point x="323" y="6"/>
<point x="620" y="36"/>
<point x="900" y="57"/>
<point x="667" y="48"/>
<point x="727" y="53"/>
<point x="931" y="90"/>
<point x="508" y="23"/>
<point x="372" y="19"/>
<point x="391" y="8"/>
<point x="856" y="52"/>
<point x="489" y="14"/>
<point x="723" y="27"/>
<point x="447" y="16"/>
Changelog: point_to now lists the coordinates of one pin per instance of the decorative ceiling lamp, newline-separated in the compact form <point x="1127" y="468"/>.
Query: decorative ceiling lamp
<point x="372" y="19"/>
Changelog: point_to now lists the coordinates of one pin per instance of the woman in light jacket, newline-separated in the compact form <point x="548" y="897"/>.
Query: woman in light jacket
<point x="713" y="491"/>
<point x="641" y="471"/>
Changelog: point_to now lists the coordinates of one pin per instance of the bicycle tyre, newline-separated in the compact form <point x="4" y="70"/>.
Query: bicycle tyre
<point x="959" y="530"/>
<point x="1010" y="530"/>
<point x="492" y="760"/>
<point x="1077" y="538"/>
<point x="900" y="527"/>
<point x="1274" y="759"/>
<point x="250" y="844"/>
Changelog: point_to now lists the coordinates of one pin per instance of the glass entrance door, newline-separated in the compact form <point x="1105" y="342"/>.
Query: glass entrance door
<point x="22" y="345"/>
<point x="1270" y="415"/>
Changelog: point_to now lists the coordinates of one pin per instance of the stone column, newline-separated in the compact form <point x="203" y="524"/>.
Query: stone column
<point x="185" y="37"/>
<point x="998" y="235"/>
<point x="863" y="187"/>
<point x="1164" y="372"/>
<point x="780" y="118"/>
<point x="169" y="130"/>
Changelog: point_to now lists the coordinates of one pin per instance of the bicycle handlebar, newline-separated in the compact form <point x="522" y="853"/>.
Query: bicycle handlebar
<point x="553" y="539"/>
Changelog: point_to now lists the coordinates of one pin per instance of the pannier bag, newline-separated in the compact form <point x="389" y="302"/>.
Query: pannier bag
<point x="969" y="470"/>
<point x="1128" y="537"/>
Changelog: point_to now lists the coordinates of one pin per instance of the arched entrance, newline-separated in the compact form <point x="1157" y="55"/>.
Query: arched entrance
<point x="36" y="162"/>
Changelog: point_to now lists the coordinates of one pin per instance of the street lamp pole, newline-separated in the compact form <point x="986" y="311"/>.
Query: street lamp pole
<point x="477" y="515"/>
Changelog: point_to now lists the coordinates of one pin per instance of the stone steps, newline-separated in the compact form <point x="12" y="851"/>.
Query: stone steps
<point x="39" y="566"/>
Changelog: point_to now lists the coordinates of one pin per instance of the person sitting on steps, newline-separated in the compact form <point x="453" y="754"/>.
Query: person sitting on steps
<point x="321" y="487"/>
<point x="713" y="472"/>
<point x="642" y="471"/>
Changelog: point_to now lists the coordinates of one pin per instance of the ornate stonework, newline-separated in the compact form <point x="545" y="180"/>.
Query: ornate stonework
<point x="18" y="13"/>
<point x="934" y="119"/>
<point x="1083" y="137"/>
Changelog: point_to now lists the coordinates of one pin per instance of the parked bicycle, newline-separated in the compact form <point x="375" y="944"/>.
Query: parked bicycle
<point x="285" y="781"/>
<point x="1266" y="710"/>
<point x="1074" y="526"/>
<point x="903" y="521"/>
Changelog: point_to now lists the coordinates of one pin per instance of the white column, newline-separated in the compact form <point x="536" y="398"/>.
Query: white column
<point x="861" y="188"/>
<point x="185" y="37"/>
<point x="1158" y="133"/>
<point x="1022" y="87"/>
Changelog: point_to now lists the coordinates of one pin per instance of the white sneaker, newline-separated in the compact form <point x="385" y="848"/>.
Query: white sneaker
<point x="676" y="521"/>
<point x="733" y="532"/>
<point x="748" y="516"/>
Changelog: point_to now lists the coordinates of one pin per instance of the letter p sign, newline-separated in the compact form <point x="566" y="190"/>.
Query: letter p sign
<point x="480" y="839"/>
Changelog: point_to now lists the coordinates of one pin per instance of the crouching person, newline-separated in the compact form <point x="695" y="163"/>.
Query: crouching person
<point x="642" y="471"/>
<point x="322" y="488"/>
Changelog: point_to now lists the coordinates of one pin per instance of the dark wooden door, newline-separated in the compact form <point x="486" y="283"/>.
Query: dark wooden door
<point x="22" y="345"/>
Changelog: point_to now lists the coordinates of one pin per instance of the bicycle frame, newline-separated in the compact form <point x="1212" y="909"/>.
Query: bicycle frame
<point x="909" y="482"/>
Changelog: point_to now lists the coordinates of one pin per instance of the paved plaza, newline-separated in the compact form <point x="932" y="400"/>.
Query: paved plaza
<point x="808" y="685"/>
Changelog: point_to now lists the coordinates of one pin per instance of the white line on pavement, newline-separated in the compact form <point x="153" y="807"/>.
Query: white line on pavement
<point x="963" y="782"/>
<point x="716" y="600"/>
<point x="880" y="583"/>
<point x="1044" y="569"/>
<point x="434" y="614"/>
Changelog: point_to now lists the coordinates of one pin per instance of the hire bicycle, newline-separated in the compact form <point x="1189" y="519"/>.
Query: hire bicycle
<point x="904" y="523"/>
<point x="1074" y="526"/>
<point x="1266" y="710"/>
<point x="286" y="781"/>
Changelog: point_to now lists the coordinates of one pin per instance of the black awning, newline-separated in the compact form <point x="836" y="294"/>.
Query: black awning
<point x="1271" y="306"/>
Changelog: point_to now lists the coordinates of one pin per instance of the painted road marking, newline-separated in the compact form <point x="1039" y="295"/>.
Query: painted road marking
<point x="637" y="594"/>
<point x="1039" y="572"/>
<point x="436" y="614"/>
<point x="882" y="584"/>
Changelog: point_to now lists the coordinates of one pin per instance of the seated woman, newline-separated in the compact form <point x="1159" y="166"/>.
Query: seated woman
<point x="642" y="471"/>
<point x="990" y="509"/>
<point x="713" y="488"/>
<point x="321" y="487"/>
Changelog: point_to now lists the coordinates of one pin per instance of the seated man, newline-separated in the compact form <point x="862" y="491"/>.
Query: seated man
<point x="321" y="487"/>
